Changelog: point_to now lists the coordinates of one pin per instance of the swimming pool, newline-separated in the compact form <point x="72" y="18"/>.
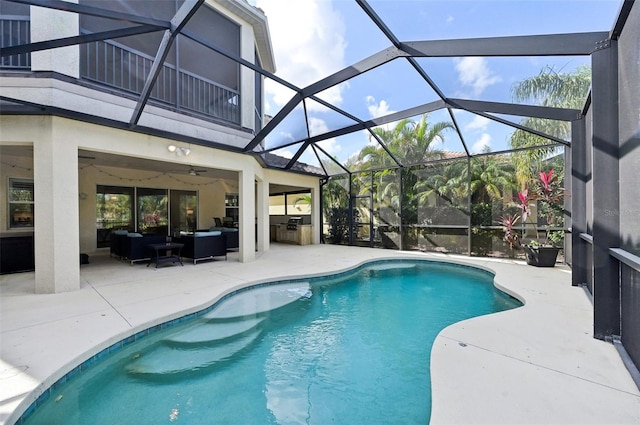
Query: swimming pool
<point x="348" y="348"/>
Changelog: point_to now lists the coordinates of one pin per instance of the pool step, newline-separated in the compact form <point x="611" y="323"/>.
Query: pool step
<point x="229" y="328"/>
<point x="391" y="266"/>
<point x="202" y="333"/>
<point x="166" y="360"/>
<point x="259" y="300"/>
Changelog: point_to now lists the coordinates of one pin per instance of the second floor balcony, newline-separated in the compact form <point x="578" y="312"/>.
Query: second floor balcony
<point x="117" y="66"/>
<point x="121" y="67"/>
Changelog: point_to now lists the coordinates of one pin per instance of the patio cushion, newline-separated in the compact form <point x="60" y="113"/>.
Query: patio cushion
<point x="210" y="233"/>
<point x="223" y="229"/>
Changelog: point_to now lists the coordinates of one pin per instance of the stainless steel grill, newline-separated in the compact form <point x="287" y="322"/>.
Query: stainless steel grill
<point x="293" y="223"/>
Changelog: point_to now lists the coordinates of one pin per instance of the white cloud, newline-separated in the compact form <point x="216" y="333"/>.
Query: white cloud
<point x="285" y="153"/>
<point x="478" y="124"/>
<point x="331" y="146"/>
<point x="318" y="126"/>
<point x="484" y="142"/>
<point x="308" y="38"/>
<point x="450" y="19"/>
<point x="377" y="109"/>
<point x="473" y="72"/>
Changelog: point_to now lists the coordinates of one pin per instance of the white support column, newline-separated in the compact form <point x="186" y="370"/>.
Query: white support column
<point x="57" y="239"/>
<point x="262" y="210"/>
<point x="316" y="217"/>
<point x="247" y="225"/>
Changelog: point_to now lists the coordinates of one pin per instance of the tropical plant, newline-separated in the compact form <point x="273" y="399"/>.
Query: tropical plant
<point x="508" y="223"/>
<point x="550" y="193"/>
<point x="547" y="190"/>
<point x="549" y="88"/>
<point x="335" y="200"/>
<point x="410" y="142"/>
<point x="303" y="200"/>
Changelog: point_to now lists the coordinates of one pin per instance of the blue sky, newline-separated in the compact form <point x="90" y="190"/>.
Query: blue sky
<point x="314" y="38"/>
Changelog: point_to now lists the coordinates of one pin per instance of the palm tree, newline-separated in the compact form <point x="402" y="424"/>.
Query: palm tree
<point x="553" y="89"/>
<point x="490" y="179"/>
<point x="411" y="142"/>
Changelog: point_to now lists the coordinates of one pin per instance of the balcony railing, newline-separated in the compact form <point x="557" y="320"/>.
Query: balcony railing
<point x="15" y="31"/>
<point x="117" y="66"/>
<point x="124" y="69"/>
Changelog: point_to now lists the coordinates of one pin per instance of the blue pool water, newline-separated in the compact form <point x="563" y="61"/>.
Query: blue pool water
<point x="347" y="349"/>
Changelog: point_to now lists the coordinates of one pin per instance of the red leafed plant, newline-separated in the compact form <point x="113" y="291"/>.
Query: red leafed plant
<point x="551" y="194"/>
<point x="508" y="223"/>
<point x="548" y="192"/>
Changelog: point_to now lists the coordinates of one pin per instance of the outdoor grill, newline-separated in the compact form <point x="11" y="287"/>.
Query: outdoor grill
<point x="293" y="223"/>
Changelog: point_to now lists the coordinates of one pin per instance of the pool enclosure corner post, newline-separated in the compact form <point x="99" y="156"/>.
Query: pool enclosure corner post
<point x="606" y="196"/>
<point x="469" y="209"/>
<point x="401" y="170"/>
<point x="580" y="170"/>
<point x="351" y="209"/>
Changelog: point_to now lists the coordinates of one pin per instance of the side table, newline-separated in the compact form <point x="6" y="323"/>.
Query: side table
<point x="165" y="253"/>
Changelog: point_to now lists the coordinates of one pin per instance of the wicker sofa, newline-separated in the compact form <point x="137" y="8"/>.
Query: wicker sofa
<point x="203" y="245"/>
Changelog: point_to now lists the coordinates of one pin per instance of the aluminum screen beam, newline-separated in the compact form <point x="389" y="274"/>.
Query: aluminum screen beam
<point x="523" y="128"/>
<point x="354" y="70"/>
<point x="575" y="44"/>
<point x="78" y="39"/>
<point x="194" y="37"/>
<point x="532" y="111"/>
<point x="290" y="106"/>
<point x="95" y="11"/>
<point x="459" y="131"/>
<point x="407" y="113"/>
<point x="297" y="155"/>
<point x="180" y="19"/>
<point x="396" y="42"/>
<point x="379" y="22"/>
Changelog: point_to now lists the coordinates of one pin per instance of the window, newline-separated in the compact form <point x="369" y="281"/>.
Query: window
<point x="21" y="203"/>
<point x="290" y="204"/>
<point x="299" y="203"/>
<point x="276" y="205"/>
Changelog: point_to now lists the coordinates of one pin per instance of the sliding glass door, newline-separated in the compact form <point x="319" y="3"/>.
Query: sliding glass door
<point x="144" y="210"/>
<point x="114" y="211"/>
<point x="152" y="209"/>
<point x="183" y="211"/>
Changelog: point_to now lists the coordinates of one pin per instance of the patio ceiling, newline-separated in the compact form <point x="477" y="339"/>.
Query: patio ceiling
<point x="393" y="51"/>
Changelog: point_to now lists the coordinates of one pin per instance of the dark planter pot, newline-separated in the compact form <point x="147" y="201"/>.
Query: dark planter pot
<point x="541" y="256"/>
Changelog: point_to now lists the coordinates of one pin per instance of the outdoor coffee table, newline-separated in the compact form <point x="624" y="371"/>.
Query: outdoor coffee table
<point x="168" y="252"/>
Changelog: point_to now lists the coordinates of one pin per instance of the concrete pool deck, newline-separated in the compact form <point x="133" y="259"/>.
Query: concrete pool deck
<point x="536" y="364"/>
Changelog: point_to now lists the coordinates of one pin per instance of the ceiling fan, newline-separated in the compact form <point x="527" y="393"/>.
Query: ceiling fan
<point x="193" y="172"/>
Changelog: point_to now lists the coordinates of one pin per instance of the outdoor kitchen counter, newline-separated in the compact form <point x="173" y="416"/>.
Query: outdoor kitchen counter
<point x="300" y="236"/>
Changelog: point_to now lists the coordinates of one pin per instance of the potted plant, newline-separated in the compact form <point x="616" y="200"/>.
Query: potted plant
<point x="549" y="193"/>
